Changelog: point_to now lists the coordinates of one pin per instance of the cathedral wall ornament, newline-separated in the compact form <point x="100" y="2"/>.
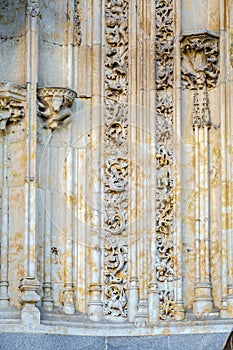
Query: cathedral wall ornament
<point x="200" y="61"/>
<point x="116" y="161"/>
<point x="55" y="106"/>
<point x="12" y="103"/>
<point x="110" y="220"/>
<point x="12" y="110"/>
<point x="164" y="262"/>
<point x="200" y="72"/>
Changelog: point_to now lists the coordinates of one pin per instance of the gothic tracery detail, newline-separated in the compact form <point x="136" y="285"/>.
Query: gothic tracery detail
<point x="116" y="159"/>
<point x="77" y="23"/>
<point x="164" y="260"/>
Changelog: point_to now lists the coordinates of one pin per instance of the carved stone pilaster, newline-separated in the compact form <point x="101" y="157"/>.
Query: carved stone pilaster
<point x="55" y="105"/>
<point x="200" y="72"/>
<point x="47" y="300"/>
<point x="95" y="306"/>
<point x="29" y="297"/>
<point x="68" y="299"/>
<point x="116" y="159"/>
<point x="141" y="318"/>
<point x="12" y="110"/>
<point x="164" y="259"/>
<point x="203" y="301"/>
<point x="200" y="60"/>
<point x="153" y="303"/>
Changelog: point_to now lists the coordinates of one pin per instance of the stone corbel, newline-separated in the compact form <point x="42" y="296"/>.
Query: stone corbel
<point x="200" y="60"/>
<point x="12" y="103"/>
<point x="54" y="105"/>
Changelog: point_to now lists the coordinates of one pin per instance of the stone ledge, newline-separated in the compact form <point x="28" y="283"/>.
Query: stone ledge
<point x="121" y="330"/>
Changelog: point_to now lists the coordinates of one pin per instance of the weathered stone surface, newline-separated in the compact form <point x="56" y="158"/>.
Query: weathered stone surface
<point x="48" y="341"/>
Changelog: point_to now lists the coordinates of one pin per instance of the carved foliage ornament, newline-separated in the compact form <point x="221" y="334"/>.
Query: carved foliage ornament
<point x="164" y="260"/>
<point x="12" y="103"/>
<point x="116" y="160"/>
<point x="200" y="61"/>
<point x="54" y="106"/>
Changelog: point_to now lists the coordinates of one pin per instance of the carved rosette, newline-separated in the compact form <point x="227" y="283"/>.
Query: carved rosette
<point x="116" y="158"/>
<point x="54" y="106"/>
<point x="12" y="104"/>
<point x="200" y="61"/>
<point x="164" y="260"/>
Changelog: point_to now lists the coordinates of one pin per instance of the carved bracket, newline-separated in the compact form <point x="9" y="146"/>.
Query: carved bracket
<point x="200" y="61"/>
<point x="12" y="103"/>
<point x="55" y="106"/>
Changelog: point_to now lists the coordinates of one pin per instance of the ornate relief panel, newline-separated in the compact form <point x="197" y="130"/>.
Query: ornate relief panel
<point x="116" y="162"/>
<point x="200" y="61"/>
<point x="200" y="72"/>
<point x="164" y="45"/>
<point x="12" y="103"/>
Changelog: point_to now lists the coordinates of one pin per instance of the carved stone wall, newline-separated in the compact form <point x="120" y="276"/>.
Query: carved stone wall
<point x="115" y="171"/>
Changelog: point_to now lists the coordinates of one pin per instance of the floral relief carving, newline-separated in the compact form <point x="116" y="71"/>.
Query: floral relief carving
<point x="54" y="106"/>
<point x="200" y="61"/>
<point x="12" y="103"/>
<point x="116" y="159"/>
<point x="164" y="259"/>
<point x="164" y="45"/>
<point x="116" y="172"/>
<point x="115" y="261"/>
<point x="166" y="305"/>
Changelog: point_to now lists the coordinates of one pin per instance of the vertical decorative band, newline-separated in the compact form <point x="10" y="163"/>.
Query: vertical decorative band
<point x="77" y="23"/>
<point x="199" y="73"/>
<point x="116" y="158"/>
<point x="164" y="46"/>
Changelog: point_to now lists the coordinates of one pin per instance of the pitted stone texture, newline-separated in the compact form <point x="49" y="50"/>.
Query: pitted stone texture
<point x="11" y="341"/>
<point x="196" y="341"/>
<point x="137" y="343"/>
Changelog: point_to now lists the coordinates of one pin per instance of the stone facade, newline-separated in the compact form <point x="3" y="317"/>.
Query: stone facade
<point x="116" y="166"/>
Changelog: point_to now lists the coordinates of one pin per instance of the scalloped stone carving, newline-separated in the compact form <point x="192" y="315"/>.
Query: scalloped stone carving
<point x="55" y="105"/>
